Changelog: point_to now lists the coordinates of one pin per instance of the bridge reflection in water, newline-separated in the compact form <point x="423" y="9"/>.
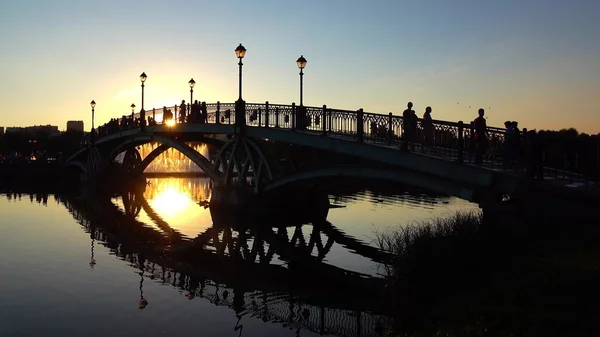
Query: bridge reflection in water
<point x="233" y="263"/>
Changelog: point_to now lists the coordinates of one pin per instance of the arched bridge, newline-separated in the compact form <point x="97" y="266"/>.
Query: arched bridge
<point x="268" y="147"/>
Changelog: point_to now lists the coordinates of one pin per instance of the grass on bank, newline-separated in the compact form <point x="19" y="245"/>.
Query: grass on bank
<point x="468" y="276"/>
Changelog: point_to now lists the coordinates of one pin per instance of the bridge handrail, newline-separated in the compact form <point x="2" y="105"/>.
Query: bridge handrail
<point x="453" y="140"/>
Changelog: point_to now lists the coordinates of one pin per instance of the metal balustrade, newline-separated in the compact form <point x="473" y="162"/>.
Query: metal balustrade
<point x="451" y="140"/>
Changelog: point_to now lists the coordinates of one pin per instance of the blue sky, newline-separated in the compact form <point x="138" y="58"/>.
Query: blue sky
<point x="533" y="61"/>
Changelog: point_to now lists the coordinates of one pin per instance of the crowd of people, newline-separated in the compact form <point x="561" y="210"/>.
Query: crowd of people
<point x="184" y="113"/>
<point x="478" y="134"/>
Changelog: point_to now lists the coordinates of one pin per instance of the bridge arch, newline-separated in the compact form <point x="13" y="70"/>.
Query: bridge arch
<point x="164" y="147"/>
<point x="407" y="177"/>
<point x="205" y="165"/>
<point x="152" y="156"/>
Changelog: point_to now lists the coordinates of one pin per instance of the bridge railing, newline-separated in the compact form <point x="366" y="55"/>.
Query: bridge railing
<point x="453" y="140"/>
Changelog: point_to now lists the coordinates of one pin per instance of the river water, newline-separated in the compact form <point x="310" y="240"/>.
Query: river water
<point x="92" y="265"/>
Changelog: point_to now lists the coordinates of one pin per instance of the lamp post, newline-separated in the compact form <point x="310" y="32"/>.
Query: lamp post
<point x="143" y="78"/>
<point x="240" y="105"/>
<point x="240" y="52"/>
<point x="93" y="105"/>
<point x="301" y="61"/>
<point x="192" y="83"/>
<point x="132" y="106"/>
<point x="300" y="114"/>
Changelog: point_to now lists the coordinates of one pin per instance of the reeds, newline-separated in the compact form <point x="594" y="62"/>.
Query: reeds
<point x="422" y="245"/>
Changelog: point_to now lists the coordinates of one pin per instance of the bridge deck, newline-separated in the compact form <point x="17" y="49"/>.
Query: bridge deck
<point x="450" y="159"/>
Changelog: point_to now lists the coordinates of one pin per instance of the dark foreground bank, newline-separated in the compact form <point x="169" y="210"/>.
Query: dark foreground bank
<point x="470" y="276"/>
<point x="30" y="170"/>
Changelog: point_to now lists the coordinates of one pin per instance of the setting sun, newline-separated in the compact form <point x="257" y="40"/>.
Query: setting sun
<point x="170" y="122"/>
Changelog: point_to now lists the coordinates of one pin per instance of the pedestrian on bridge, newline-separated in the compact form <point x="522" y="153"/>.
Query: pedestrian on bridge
<point x="182" y="112"/>
<point x="409" y="128"/>
<point x="195" y="113"/>
<point x="481" y="140"/>
<point x="427" y="126"/>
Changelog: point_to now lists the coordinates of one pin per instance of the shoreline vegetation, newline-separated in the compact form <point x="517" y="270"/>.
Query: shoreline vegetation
<point x="469" y="275"/>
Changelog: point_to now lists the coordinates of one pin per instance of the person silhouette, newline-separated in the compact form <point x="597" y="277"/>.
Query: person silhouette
<point x="427" y="125"/>
<point x="409" y="122"/>
<point x="481" y="140"/>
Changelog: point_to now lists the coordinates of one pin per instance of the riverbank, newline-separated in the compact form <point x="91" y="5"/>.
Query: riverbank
<point x="30" y="170"/>
<point x="467" y="276"/>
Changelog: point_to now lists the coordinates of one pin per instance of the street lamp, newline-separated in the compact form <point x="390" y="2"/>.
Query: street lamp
<point x="143" y="78"/>
<point x="192" y="83"/>
<point x="240" y="105"/>
<point x="132" y="106"/>
<point x="93" y="105"/>
<point x="301" y="61"/>
<point x="240" y="52"/>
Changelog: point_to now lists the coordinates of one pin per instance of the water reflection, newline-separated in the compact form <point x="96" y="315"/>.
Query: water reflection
<point x="195" y="189"/>
<point x="272" y="269"/>
<point x="232" y="267"/>
<point x="172" y="203"/>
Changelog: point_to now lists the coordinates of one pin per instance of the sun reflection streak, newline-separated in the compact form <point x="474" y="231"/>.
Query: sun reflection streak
<point x="176" y="201"/>
<point x="172" y="197"/>
<point x="171" y="202"/>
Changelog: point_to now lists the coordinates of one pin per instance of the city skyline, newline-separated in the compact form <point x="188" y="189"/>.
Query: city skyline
<point x="525" y="61"/>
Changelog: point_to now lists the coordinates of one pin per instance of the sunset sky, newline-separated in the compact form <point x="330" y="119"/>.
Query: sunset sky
<point x="535" y="61"/>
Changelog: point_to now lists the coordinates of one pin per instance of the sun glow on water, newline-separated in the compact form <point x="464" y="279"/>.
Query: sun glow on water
<point x="171" y="202"/>
<point x="177" y="202"/>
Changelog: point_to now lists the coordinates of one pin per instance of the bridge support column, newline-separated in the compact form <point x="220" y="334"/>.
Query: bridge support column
<point x="360" y="126"/>
<point x="390" y="129"/>
<point x="266" y="114"/>
<point x="240" y="113"/>
<point x="142" y="120"/>
<point x="324" y="121"/>
<point x="218" y="113"/>
<point x="294" y="116"/>
<point x="461" y="141"/>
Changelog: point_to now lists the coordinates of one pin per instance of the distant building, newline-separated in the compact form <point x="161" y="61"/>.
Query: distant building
<point x="50" y="130"/>
<point x="1" y="130"/>
<point x="75" y="125"/>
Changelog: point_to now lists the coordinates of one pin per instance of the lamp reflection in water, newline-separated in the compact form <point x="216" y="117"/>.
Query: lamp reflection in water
<point x="93" y="237"/>
<point x="143" y="301"/>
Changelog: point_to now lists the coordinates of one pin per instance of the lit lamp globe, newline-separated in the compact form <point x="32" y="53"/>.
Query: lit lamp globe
<point x="240" y="51"/>
<point x="301" y="61"/>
